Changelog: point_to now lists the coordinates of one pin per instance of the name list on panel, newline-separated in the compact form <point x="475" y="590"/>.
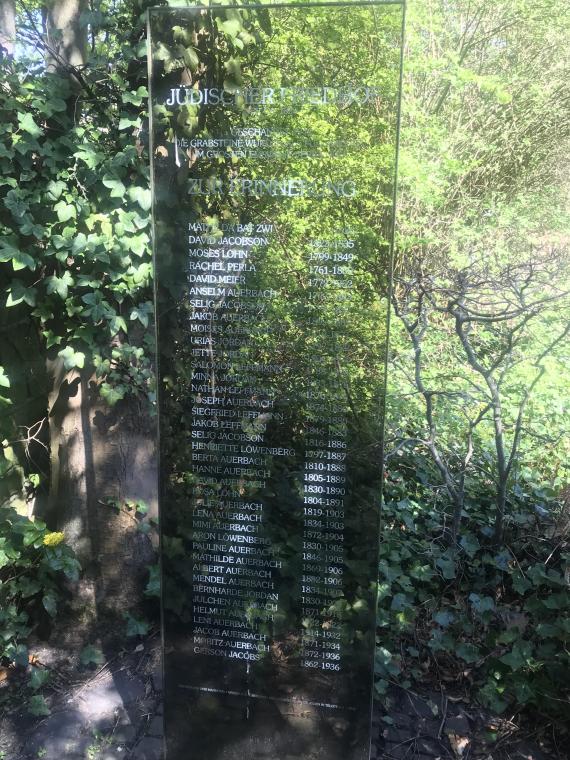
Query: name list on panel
<point x="237" y="567"/>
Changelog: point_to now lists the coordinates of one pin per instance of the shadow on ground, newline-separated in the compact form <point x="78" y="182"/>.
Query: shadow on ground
<point x="115" y="713"/>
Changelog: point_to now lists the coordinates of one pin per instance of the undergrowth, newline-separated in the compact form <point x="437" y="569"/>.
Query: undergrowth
<point x="489" y="620"/>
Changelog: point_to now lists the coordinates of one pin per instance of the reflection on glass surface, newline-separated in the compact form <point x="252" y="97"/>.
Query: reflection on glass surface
<point x="273" y="148"/>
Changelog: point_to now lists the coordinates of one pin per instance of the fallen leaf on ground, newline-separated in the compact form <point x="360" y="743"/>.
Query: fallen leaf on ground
<point x="458" y="744"/>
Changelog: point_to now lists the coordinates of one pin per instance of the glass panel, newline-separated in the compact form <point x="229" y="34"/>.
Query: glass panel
<point x="274" y="148"/>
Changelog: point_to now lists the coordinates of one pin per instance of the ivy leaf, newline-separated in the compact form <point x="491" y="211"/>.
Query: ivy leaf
<point x="15" y="203"/>
<point x="111" y="394"/>
<point x="20" y="259"/>
<point x="141" y="507"/>
<point x="234" y="79"/>
<point x="43" y="312"/>
<point x="232" y="27"/>
<point x="90" y="655"/>
<point x="72" y="358"/>
<point x="520" y="584"/>
<point x="153" y="586"/>
<point x="470" y="544"/>
<point x="518" y="656"/>
<point x="55" y="189"/>
<point x="49" y="602"/>
<point x="38" y="707"/>
<point x="27" y="124"/>
<point x="125" y="122"/>
<point x="447" y="567"/>
<point x="136" y="627"/>
<point x="89" y="155"/>
<point x="98" y="307"/>
<point x="140" y="195"/>
<point x="29" y="228"/>
<point x="51" y="338"/>
<point x="38" y="678"/>
<point x="137" y="244"/>
<point x="59" y="285"/>
<point x="142" y="313"/>
<point x="136" y="98"/>
<point x="18" y="654"/>
<point x="190" y="58"/>
<point x="482" y="604"/>
<point x="400" y="602"/>
<point x="116" y="324"/>
<point x="65" y="211"/>
<point x="444" y="618"/>
<point x="468" y="652"/>
<point x="116" y="186"/>
<point x="19" y="292"/>
<point x="79" y="243"/>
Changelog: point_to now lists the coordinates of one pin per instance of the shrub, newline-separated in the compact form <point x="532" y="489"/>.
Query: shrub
<point x="33" y="561"/>
<point x="493" y="617"/>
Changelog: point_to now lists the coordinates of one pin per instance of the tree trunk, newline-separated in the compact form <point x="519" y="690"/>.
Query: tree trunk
<point x="100" y="455"/>
<point x="7" y="26"/>
<point x="67" y="36"/>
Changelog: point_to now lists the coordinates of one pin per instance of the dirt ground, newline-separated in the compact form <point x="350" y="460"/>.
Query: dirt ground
<point x="114" y="710"/>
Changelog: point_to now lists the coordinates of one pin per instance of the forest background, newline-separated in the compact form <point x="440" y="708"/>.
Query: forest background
<point x="474" y="571"/>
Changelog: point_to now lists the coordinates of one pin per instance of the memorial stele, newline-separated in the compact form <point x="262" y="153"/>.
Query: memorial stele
<point x="273" y="140"/>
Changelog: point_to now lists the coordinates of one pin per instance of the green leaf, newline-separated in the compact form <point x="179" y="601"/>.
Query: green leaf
<point x="234" y="79"/>
<point x="141" y="508"/>
<point x="90" y="655"/>
<point x="136" y="627"/>
<point x="447" y="567"/>
<point x="468" y="652"/>
<point x="557" y="601"/>
<point x="111" y="394"/>
<point x="520" y="584"/>
<point x="140" y="195"/>
<point x="116" y="324"/>
<point x="49" y="602"/>
<point x="142" y="313"/>
<point x="232" y="27"/>
<point x="153" y="586"/>
<point x="137" y="244"/>
<point x="98" y="307"/>
<point x="51" y="338"/>
<point x="38" y="678"/>
<point x="72" y="358"/>
<point x="116" y="186"/>
<point x="444" y="618"/>
<point x="38" y="707"/>
<point x="79" y="244"/>
<point x="190" y="58"/>
<point x="19" y="292"/>
<point x="59" y="285"/>
<point x="89" y="155"/>
<point x="470" y="544"/>
<point x="27" y="124"/>
<point x="19" y="259"/>
<point x="400" y="602"/>
<point x="4" y="379"/>
<point x="55" y="189"/>
<point x="482" y="604"/>
<point x="16" y="204"/>
<point x="19" y="655"/>
<point x="519" y="656"/>
<point x="125" y="122"/>
<point x="29" y="228"/>
<point x="136" y="98"/>
<point x="65" y="211"/>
